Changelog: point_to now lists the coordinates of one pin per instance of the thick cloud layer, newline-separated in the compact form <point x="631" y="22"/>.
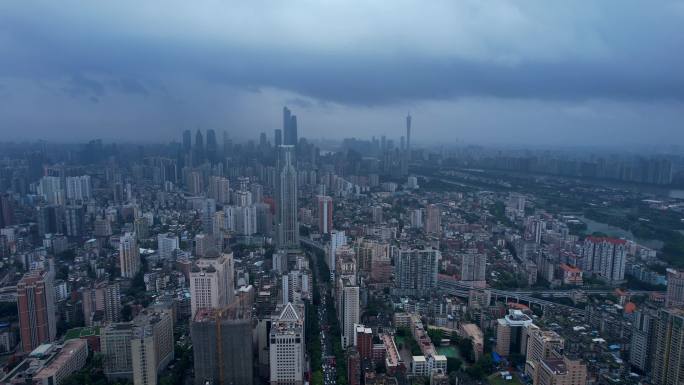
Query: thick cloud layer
<point x="581" y="71"/>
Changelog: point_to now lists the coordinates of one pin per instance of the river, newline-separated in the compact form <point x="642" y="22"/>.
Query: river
<point x="614" y="231"/>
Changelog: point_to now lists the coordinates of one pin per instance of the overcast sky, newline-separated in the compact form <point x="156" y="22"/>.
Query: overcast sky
<point x="540" y="72"/>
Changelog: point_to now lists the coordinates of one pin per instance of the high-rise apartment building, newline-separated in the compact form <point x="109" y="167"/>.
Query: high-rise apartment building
<point x="257" y="191"/>
<point x="50" y="219"/>
<point x="264" y="218"/>
<point x="152" y="346"/>
<point x="369" y="250"/>
<point x="416" y="218"/>
<point x="473" y="266"/>
<point x="245" y="218"/>
<point x="348" y="310"/>
<point x="50" y="187"/>
<point x="324" y="213"/>
<point x="36" y="306"/>
<point x="219" y="189"/>
<point x="675" y="288"/>
<point x="286" y="351"/>
<point x="668" y="354"/>
<point x="102" y="227"/>
<point x="376" y="214"/>
<point x="433" y="220"/>
<point x="115" y="345"/>
<point x="112" y="302"/>
<point x="6" y="211"/>
<point x="643" y="338"/>
<point x="605" y="257"/>
<point x="141" y="227"/>
<point x="353" y="366"/>
<point x="338" y="238"/>
<point x="140" y="349"/>
<point x="73" y="220"/>
<point x="416" y="271"/>
<point x="296" y="286"/>
<point x="208" y="209"/>
<point x="78" y="188"/>
<point x="286" y="192"/>
<point x="204" y="244"/>
<point x="211" y="282"/>
<point x="194" y="183"/>
<point x="167" y="244"/>
<point x="216" y="334"/>
<point x="129" y="255"/>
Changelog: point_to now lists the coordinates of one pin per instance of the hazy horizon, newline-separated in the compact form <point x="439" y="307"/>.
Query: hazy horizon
<point x="538" y="73"/>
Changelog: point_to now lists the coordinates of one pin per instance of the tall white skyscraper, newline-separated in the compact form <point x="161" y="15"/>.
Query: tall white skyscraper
<point x="286" y="192"/>
<point x="129" y="255"/>
<point x="348" y="312"/>
<point x="211" y="281"/>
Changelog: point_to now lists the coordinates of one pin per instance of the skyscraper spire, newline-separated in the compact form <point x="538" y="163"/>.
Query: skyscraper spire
<point x="289" y="127"/>
<point x="408" y="133"/>
<point x="286" y="194"/>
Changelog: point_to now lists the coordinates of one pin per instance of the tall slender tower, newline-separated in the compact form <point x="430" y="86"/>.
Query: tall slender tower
<point x="129" y="255"/>
<point x="288" y="225"/>
<point x="293" y="130"/>
<point x="408" y="135"/>
<point x="199" y="148"/>
<point x="289" y="127"/>
<point x="278" y="137"/>
<point x="287" y="119"/>
<point x="187" y="141"/>
<point x="212" y="145"/>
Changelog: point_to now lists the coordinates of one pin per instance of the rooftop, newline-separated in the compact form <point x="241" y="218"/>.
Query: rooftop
<point x="516" y="318"/>
<point x="555" y="365"/>
<point x="69" y="349"/>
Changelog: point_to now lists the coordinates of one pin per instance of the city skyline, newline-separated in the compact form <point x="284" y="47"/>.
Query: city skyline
<point x="475" y="72"/>
<point x="342" y="192"/>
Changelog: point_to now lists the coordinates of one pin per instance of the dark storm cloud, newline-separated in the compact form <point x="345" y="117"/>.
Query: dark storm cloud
<point x="132" y="86"/>
<point x="183" y="57"/>
<point x="82" y="86"/>
<point x="640" y="61"/>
